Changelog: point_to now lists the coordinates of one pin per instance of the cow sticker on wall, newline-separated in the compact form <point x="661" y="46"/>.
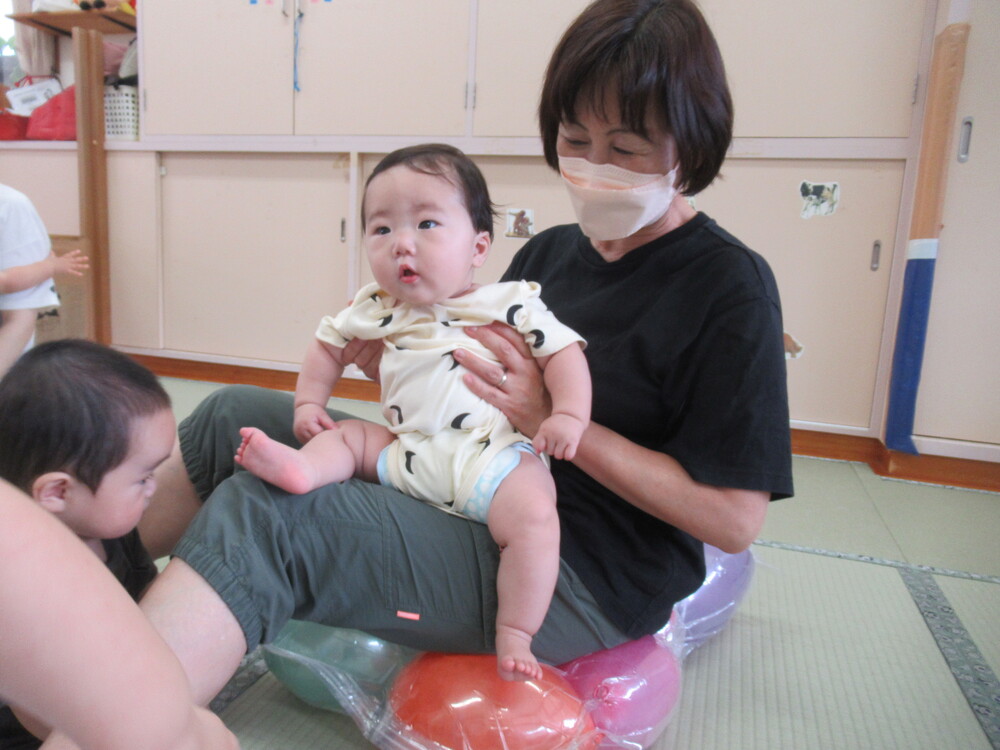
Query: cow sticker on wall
<point x="520" y="222"/>
<point x="819" y="198"/>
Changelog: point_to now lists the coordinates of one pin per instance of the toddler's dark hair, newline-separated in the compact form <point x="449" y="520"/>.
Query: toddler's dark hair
<point x="70" y="405"/>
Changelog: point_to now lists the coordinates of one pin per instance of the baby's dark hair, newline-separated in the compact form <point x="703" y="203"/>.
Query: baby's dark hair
<point x="69" y="405"/>
<point x="442" y="160"/>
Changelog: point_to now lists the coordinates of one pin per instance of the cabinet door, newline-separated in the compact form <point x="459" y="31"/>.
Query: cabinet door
<point x="252" y="252"/>
<point x="382" y="67"/>
<point x="134" y="248"/>
<point x="832" y="300"/>
<point x="838" y="69"/>
<point x="50" y="179"/>
<point x="514" y="41"/>
<point x="959" y="398"/>
<point x="219" y="68"/>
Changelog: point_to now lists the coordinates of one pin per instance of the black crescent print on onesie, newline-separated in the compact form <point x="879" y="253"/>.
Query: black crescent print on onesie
<point x="409" y="461"/>
<point x="385" y="321"/>
<point x="511" y="312"/>
<point x="454" y="362"/>
<point x="539" y="338"/>
<point x="485" y="443"/>
<point x="456" y="423"/>
<point x="399" y="413"/>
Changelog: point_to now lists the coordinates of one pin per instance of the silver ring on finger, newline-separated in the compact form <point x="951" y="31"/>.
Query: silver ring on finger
<point x="503" y="379"/>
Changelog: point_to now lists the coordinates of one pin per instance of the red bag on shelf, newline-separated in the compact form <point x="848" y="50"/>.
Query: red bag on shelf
<point x="56" y="119"/>
<point x="13" y="127"/>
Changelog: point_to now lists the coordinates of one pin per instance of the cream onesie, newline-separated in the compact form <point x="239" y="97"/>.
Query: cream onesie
<point x="446" y="436"/>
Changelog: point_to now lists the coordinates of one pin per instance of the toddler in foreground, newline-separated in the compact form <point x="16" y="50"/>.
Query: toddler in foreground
<point x="82" y="427"/>
<point x="428" y="223"/>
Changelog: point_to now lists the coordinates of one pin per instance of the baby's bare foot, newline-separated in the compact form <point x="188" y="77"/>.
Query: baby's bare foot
<point x="514" y="658"/>
<point x="274" y="462"/>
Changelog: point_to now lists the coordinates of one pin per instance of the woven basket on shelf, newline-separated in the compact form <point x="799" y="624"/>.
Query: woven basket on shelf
<point x="121" y="113"/>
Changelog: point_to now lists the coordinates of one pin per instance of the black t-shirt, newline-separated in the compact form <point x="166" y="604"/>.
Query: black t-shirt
<point x="684" y="343"/>
<point x="131" y="564"/>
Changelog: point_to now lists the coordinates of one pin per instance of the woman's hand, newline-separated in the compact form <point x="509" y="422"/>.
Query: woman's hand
<point x="515" y="385"/>
<point x="365" y="355"/>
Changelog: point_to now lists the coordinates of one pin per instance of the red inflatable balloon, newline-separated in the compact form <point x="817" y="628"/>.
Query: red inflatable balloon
<point x="459" y="702"/>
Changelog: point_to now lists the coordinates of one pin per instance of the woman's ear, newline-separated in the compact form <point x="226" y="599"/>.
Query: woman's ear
<point x="481" y="248"/>
<point x="52" y="491"/>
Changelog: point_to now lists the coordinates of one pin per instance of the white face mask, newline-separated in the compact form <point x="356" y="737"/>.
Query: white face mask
<point x="611" y="202"/>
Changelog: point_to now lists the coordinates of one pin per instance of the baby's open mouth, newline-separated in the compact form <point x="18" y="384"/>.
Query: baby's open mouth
<point x="407" y="274"/>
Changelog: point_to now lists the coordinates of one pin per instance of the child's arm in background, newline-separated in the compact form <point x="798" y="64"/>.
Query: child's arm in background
<point x="322" y="368"/>
<point x="18" y="278"/>
<point x="567" y="378"/>
<point x="66" y="623"/>
<point x="16" y="329"/>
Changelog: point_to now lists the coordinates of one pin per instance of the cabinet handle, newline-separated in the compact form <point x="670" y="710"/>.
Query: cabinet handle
<point x="876" y="255"/>
<point x="964" y="140"/>
<point x="343" y="230"/>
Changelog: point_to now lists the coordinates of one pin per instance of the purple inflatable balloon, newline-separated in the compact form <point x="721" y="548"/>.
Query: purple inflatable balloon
<point x="630" y="690"/>
<point x="707" y="610"/>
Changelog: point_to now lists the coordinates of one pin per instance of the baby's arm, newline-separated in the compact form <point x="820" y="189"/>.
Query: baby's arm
<point x="322" y="367"/>
<point x="18" y="278"/>
<point x="567" y="379"/>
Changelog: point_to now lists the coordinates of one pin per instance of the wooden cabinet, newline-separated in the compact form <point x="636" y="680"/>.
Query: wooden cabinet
<point x="846" y="69"/>
<point x="250" y="276"/>
<point x="820" y="70"/>
<point x="134" y="249"/>
<point x="228" y="73"/>
<point x="50" y="178"/>
<point x="381" y="67"/>
<point x="354" y="67"/>
<point x="514" y="39"/>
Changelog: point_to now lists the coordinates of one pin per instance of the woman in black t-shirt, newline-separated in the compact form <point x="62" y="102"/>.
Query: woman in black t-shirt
<point x="689" y="438"/>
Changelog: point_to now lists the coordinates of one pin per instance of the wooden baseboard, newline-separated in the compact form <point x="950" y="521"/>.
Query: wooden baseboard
<point x="954" y="472"/>
<point x="359" y="390"/>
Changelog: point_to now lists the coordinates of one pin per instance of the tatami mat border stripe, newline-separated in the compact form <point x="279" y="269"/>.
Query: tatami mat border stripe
<point x="880" y="561"/>
<point x="973" y="674"/>
<point x="975" y="678"/>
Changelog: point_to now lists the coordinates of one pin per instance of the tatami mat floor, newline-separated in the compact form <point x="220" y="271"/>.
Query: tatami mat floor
<point x="873" y="622"/>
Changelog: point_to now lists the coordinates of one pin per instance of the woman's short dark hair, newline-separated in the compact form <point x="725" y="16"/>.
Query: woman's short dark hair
<point x="69" y="405"/>
<point x="655" y="57"/>
<point x="442" y="160"/>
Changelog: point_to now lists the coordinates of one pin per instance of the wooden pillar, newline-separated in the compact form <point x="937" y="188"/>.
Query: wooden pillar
<point x="947" y="67"/>
<point x="88" y="59"/>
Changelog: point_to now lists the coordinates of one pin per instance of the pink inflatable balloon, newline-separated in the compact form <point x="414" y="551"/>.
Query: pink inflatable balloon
<point x="630" y="690"/>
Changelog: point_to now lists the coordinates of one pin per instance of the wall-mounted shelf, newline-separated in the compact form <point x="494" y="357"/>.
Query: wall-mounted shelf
<point x="62" y="23"/>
